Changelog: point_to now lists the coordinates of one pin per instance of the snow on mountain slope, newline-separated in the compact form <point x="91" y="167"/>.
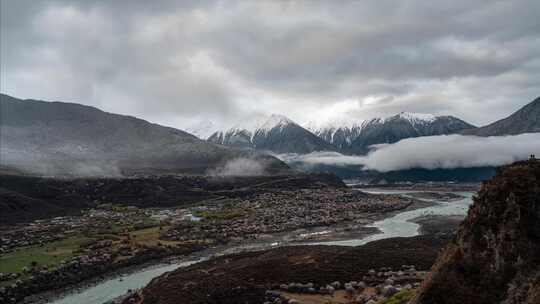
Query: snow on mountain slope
<point x="275" y="133"/>
<point x="417" y="117"/>
<point x="404" y="125"/>
<point x="274" y="121"/>
<point x="279" y="134"/>
<point x="202" y="129"/>
<point x="356" y="136"/>
<point x="340" y="133"/>
<point x="247" y="129"/>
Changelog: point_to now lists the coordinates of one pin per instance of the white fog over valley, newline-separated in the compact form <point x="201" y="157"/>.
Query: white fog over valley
<point x="433" y="152"/>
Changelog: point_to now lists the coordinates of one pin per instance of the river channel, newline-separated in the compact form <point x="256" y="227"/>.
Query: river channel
<point x="398" y="225"/>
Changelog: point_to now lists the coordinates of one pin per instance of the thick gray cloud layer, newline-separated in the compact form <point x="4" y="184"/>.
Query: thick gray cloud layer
<point x="180" y="62"/>
<point x="433" y="152"/>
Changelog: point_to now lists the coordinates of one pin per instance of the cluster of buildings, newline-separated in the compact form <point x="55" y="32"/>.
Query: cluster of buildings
<point x="104" y="219"/>
<point x="280" y="211"/>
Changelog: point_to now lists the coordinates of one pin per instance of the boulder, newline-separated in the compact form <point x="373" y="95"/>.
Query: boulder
<point x="350" y="289"/>
<point x="330" y="289"/>
<point x="389" y="291"/>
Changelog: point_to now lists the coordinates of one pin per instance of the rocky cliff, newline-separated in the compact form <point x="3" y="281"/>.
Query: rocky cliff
<point x="495" y="257"/>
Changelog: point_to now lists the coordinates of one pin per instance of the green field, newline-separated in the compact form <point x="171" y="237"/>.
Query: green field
<point x="221" y="214"/>
<point x="49" y="254"/>
<point x="401" y="297"/>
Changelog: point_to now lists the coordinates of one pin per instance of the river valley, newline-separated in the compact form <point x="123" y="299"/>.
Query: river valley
<point x="398" y="225"/>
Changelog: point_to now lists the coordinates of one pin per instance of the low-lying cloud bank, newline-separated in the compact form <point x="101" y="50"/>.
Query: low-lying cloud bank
<point x="432" y="152"/>
<point x="240" y="167"/>
<point x="62" y="163"/>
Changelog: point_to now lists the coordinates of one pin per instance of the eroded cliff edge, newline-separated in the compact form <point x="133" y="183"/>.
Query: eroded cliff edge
<point x="495" y="257"/>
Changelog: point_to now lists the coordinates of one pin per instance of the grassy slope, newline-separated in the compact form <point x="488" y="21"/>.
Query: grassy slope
<point x="50" y="254"/>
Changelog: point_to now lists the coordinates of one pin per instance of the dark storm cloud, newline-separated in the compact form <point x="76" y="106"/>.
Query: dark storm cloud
<point x="176" y="61"/>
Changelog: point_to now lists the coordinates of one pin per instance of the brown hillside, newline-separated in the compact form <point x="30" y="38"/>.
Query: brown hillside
<point x="495" y="257"/>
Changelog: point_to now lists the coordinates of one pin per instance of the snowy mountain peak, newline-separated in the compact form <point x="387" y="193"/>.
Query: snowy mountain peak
<point x="202" y="129"/>
<point x="336" y="124"/>
<point x="261" y="122"/>
<point x="356" y="136"/>
<point x="275" y="133"/>
<point x="245" y="131"/>
<point x="417" y="117"/>
<point x="275" y="120"/>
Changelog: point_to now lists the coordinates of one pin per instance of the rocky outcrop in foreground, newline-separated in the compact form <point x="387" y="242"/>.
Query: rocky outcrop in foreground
<point x="496" y="255"/>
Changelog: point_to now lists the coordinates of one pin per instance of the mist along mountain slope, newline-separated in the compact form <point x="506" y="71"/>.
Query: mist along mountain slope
<point x="274" y="133"/>
<point x="496" y="255"/>
<point x="525" y="120"/>
<point x="55" y="138"/>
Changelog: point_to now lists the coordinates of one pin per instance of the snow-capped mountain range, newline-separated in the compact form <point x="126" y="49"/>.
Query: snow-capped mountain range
<point x="356" y="137"/>
<point x="280" y="134"/>
<point x="275" y="133"/>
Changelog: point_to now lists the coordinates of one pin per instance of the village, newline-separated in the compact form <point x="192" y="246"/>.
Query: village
<point x="105" y="219"/>
<point x="274" y="212"/>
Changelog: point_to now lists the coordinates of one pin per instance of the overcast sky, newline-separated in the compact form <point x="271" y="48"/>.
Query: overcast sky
<point x="180" y="62"/>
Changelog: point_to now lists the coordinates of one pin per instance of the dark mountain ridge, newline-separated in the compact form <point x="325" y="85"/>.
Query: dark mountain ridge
<point x="57" y="138"/>
<point x="525" y="120"/>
